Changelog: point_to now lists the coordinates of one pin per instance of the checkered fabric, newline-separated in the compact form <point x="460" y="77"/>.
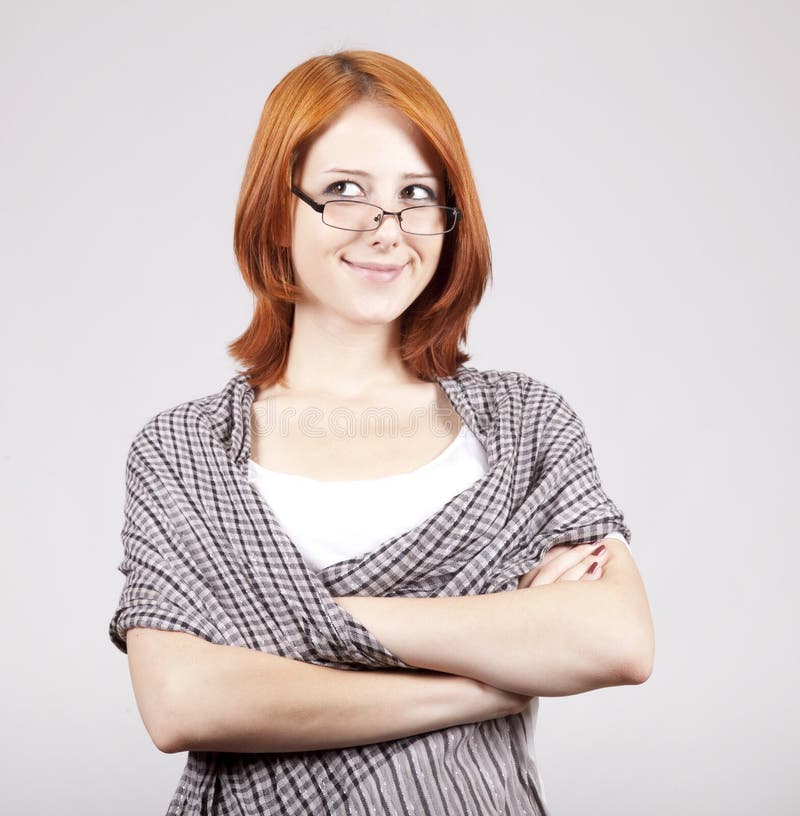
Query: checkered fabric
<point x="204" y="554"/>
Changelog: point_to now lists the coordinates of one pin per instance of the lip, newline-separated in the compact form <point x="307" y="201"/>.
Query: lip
<point x="376" y="271"/>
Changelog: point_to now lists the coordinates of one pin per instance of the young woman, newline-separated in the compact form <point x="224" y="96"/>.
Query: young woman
<point x="351" y="573"/>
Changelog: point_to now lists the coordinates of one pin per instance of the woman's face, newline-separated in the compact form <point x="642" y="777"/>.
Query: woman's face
<point x="369" y="153"/>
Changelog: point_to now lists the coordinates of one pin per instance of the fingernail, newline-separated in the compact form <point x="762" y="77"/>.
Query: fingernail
<point x="592" y="568"/>
<point x="599" y="550"/>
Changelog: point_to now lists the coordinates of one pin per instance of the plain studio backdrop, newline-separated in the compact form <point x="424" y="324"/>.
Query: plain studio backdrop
<point x="638" y="168"/>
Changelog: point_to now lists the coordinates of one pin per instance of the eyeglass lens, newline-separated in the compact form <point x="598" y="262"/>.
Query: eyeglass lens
<point x="360" y="216"/>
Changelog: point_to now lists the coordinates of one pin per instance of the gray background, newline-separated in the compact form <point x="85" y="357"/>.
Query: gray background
<point x="638" y="167"/>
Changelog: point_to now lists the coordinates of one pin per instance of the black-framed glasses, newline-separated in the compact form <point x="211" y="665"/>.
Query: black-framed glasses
<point x="359" y="216"/>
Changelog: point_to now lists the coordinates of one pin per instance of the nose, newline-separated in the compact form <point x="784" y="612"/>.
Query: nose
<point x="389" y="229"/>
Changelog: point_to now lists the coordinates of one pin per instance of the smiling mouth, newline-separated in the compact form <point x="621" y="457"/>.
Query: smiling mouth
<point x="376" y="267"/>
<point x="381" y="273"/>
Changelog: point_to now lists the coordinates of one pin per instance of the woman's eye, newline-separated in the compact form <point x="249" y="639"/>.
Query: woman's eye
<point x="340" y="187"/>
<point x="348" y="189"/>
<point x="427" y="193"/>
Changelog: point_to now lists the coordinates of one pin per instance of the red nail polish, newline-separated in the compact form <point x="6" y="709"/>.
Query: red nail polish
<point x="592" y="568"/>
<point x="599" y="550"/>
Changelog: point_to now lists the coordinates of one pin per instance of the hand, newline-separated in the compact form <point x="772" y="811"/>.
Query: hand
<point x="565" y="562"/>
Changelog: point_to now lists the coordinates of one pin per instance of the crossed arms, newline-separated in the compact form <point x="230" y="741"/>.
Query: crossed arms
<point x="553" y="638"/>
<point x="479" y="657"/>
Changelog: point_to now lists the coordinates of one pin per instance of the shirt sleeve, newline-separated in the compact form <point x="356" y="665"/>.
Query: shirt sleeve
<point x="571" y="505"/>
<point x="152" y="595"/>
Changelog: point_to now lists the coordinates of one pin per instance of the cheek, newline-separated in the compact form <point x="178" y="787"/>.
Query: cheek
<point x="314" y="252"/>
<point x="433" y="254"/>
<point x="311" y="241"/>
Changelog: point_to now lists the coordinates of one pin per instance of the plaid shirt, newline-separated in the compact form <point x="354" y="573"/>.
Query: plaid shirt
<point x="205" y="554"/>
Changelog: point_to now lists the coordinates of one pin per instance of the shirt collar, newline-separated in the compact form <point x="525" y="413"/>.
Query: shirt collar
<point x="229" y="414"/>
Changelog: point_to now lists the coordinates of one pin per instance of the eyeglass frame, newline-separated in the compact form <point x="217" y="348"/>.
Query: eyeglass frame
<point x="320" y="208"/>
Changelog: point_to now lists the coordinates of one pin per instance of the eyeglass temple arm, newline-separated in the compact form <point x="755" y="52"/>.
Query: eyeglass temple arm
<point x="310" y="201"/>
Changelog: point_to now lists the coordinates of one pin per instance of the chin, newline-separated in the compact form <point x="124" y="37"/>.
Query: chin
<point x="375" y="317"/>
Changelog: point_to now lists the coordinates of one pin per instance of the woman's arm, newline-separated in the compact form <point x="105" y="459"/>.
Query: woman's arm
<point x="544" y="640"/>
<point x="197" y="696"/>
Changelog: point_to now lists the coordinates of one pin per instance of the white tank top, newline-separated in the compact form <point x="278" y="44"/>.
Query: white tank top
<point x="352" y="517"/>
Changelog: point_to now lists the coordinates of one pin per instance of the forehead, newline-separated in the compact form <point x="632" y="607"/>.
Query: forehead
<point x="374" y="138"/>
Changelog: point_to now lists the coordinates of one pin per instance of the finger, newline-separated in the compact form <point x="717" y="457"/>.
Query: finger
<point x="593" y="573"/>
<point x="551" y="571"/>
<point x="554" y="573"/>
<point x="590" y="569"/>
<point x="525" y="580"/>
<point x="553" y="552"/>
<point x="581" y="572"/>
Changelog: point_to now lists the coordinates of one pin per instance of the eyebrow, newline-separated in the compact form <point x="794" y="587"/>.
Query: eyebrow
<point x="369" y="176"/>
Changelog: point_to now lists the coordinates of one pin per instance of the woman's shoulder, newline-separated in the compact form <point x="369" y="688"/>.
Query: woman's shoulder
<point x="209" y="416"/>
<point x="508" y="382"/>
<point x="525" y="406"/>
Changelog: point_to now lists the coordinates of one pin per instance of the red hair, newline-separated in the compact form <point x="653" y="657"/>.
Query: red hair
<point x="300" y="105"/>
